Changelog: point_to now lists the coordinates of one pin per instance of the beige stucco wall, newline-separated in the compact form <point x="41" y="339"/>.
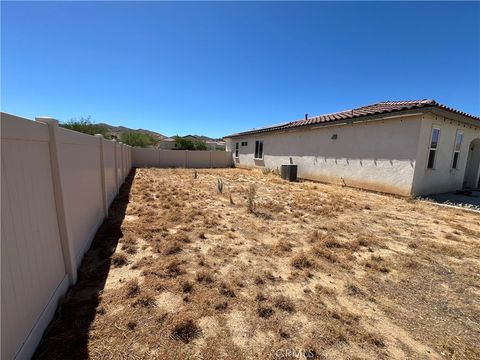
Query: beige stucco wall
<point x="378" y="155"/>
<point x="442" y="178"/>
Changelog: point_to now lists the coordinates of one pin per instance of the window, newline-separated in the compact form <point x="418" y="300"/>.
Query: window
<point x="456" y="149"/>
<point x="433" y="148"/>
<point x="236" y="149"/>
<point x="259" y="149"/>
<point x="244" y="143"/>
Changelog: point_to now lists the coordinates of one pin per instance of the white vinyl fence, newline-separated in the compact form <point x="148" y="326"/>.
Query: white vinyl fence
<point x="143" y="157"/>
<point x="57" y="186"/>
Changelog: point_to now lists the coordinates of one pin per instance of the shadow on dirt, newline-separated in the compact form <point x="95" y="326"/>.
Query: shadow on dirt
<point x="68" y="333"/>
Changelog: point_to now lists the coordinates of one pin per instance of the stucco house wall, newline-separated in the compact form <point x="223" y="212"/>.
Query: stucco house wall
<point x="442" y="178"/>
<point x="377" y="155"/>
<point x="383" y="147"/>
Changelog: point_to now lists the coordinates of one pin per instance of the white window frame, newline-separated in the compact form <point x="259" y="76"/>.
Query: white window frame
<point x="455" y="151"/>
<point x="430" y="148"/>
<point x="237" y="146"/>
<point x="255" y="150"/>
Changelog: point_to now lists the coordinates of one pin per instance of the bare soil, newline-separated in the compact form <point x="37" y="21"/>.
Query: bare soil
<point x="272" y="270"/>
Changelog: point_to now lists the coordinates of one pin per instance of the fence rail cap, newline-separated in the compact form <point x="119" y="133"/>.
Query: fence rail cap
<point x="47" y="120"/>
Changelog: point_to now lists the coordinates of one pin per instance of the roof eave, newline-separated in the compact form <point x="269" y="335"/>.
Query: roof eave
<point x="453" y="115"/>
<point x="362" y="118"/>
<point x="435" y="108"/>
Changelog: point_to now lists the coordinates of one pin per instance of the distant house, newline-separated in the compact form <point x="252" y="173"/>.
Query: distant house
<point x="167" y="143"/>
<point x="212" y="144"/>
<point x="408" y="148"/>
<point x="215" y="145"/>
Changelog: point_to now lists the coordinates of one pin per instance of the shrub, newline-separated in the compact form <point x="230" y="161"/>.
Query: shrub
<point x="252" y="192"/>
<point x="138" y="139"/>
<point x="84" y="125"/>
<point x="220" y="185"/>
<point x="200" y="145"/>
<point x="187" y="144"/>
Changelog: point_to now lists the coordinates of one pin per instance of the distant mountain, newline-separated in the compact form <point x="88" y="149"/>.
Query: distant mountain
<point x="117" y="130"/>
<point x="200" y="137"/>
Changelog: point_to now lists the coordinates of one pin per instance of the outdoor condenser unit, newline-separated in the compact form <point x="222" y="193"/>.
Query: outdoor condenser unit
<point x="289" y="172"/>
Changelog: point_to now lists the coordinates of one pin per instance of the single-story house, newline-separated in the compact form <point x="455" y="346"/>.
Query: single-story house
<point x="170" y="143"/>
<point x="215" y="145"/>
<point x="167" y="143"/>
<point x="408" y="148"/>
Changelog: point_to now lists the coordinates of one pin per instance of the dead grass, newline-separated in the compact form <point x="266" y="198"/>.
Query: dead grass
<point x="284" y="303"/>
<point x="302" y="261"/>
<point x="119" y="259"/>
<point x="186" y="331"/>
<point x="132" y="288"/>
<point x="265" y="265"/>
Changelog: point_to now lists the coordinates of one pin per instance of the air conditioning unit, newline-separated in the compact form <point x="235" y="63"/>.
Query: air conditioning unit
<point x="289" y="172"/>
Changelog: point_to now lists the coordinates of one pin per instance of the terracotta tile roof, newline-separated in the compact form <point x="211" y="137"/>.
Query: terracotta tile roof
<point x="384" y="107"/>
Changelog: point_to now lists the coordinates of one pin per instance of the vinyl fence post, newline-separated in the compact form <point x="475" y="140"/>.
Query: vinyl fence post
<point x="115" y="165"/>
<point x="63" y="227"/>
<point x="102" y="174"/>
<point x="123" y="161"/>
<point x="129" y="159"/>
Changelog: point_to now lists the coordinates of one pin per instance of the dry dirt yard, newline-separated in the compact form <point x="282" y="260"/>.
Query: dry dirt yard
<point x="180" y="270"/>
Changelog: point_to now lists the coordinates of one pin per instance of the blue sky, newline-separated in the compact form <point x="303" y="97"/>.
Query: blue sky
<point x="217" y="68"/>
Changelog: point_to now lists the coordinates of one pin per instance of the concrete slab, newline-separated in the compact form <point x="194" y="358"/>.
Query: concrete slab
<point x="465" y="201"/>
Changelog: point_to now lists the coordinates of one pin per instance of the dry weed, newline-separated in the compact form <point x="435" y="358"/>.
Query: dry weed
<point x="209" y="279"/>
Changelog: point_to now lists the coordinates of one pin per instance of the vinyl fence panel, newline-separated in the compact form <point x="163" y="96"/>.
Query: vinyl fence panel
<point x="109" y="163"/>
<point x="56" y="184"/>
<point x="199" y="159"/>
<point x="32" y="267"/>
<point x="172" y="158"/>
<point x="146" y="157"/>
<point x="80" y="173"/>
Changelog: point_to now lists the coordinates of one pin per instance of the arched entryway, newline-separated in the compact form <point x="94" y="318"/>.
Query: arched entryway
<point x="472" y="171"/>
